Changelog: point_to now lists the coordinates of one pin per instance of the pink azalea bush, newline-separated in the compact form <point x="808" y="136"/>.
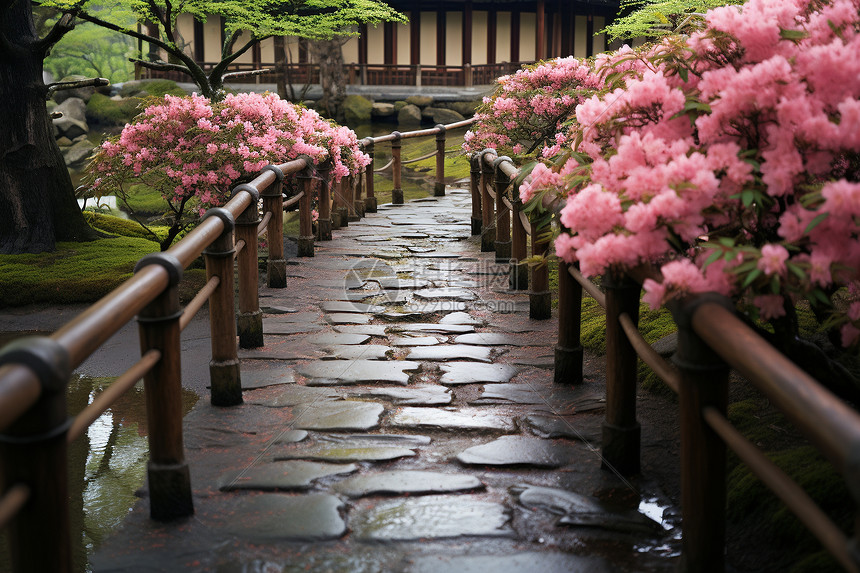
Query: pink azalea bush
<point x="194" y="151"/>
<point x="530" y="109"/>
<point x="729" y="159"/>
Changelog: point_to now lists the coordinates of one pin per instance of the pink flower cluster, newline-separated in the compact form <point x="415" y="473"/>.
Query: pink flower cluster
<point x="194" y="151"/>
<point x="530" y="109"/>
<point x="730" y="159"/>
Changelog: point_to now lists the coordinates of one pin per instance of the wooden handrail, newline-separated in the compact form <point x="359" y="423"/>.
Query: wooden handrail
<point x="832" y="425"/>
<point x="12" y="502"/>
<point x="791" y="494"/>
<point x="193" y="307"/>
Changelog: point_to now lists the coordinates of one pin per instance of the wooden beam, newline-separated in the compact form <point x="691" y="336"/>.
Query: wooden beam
<point x="467" y="33"/>
<point x="515" y="35"/>
<point x="362" y="44"/>
<point x="199" y="43"/>
<point x="441" y="28"/>
<point x="540" y="36"/>
<point x="589" y="33"/>
<point x="491" y="36"/>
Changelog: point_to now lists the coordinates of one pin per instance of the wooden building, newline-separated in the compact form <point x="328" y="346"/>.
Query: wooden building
<point x="445" y="42"/>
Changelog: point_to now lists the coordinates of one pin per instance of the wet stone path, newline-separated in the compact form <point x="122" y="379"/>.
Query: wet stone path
<point x="401" y="417"/>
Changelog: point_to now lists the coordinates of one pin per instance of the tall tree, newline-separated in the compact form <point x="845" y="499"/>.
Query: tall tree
<point x="37" y="201"/>
<point x="245" y="25"/>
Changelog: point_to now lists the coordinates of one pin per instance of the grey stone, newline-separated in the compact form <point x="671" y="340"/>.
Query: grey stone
<point x="581" y="510"/>
<point x="73" y="108"/>
<point x="521" y="562"/>
<point x="70" y="127"/>
<point x="340" y="306"/>
<point x="414" y="341"/>
<point x="294" y="395"/>
<point x="453" y="352"/>
<point x="263" y="378"/>
<point x="469" y="373"/>
<point x="356" y="352"/>
<point x="347" y="318"/>
<point x="434" y="307"/>
<point x="369" y="448"/>
<point x="420" y="100"/>
<point x="340" y="415"/>
<point x="458" y="294"/>
<point x="310" y="517"/>
<point x="78" y="153"/>
<point x="332" y="338"/>
<point x="490" y="339"/>
<point x="284" y="475"/>
<point x="442" y="115"/>
<point x="667" y="345"/>
<point x="556" y="398"/>
<point x="520" y="450"/>
<point x="427" y="395"/>
<point x="586" y="429"/>
<point x="409" y="115"/>
<point x="406" y="482"/>
<point x="292" y="317"/>
<point x="432" y="517"/>
<point x="358" y="371"/>
<point x="459" y="318"/>
<point x="356" y="110"/>
<point x="434" y="328"/>
<point x="280" y="327"/>
<point x="462" y="419"/>
<point x="382" y="109"/>
<point x="365" y="329"/>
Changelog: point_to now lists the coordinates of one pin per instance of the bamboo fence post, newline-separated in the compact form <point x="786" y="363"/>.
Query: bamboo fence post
<point x="250" y="318"/>
<point x="540" y="298"/>
<point x="397" y="168"/>
<point x="34" y="452"/>
<point x="167" y="471"/>
<point x="370" y="202"/>
<point x="224" y="375"/>
<point x="568" y="351"/>
<point x="488" y="224"/>
<point x="439" y="187"/>
<point x="306" y="231"/>
<point x="358" y="202"/>
<point x="519" y="279"/>
<point x="703" y="383"/>
<point x="324" y="205"/>
<point x="621" y="431"/>
<point x="502" y="244"/>
<point x="475" y="187"/>
<point x="273" y="202"/>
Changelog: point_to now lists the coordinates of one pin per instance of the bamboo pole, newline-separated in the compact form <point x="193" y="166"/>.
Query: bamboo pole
<point x="397" y="169"/>
<point x="273" y="201"/>
<point x="568" y="351"/>
<point x="439" y="187"/>
<point x="250" y="317"/>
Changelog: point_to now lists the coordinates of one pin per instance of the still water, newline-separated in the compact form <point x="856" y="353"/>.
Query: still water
<point x="107" y="465"/>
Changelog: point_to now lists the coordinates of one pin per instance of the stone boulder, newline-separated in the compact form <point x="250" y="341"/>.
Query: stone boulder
<point x="79" y="93"/>
<point x="73" y="108"/>
<point x="409" y="115"/>
<point x="420" y="101"/>
<point x="441" y="115"/>
<point x="464" y="108"/>
<point x="356" y="110"/>
<point x="78" y="154"/>
<point x="383" y="110"/>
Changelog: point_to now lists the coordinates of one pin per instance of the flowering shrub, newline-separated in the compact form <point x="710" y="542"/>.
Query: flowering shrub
<point x="195" y="151"/>
<point x="729" y="159"/>
<point x="530" y="109"/>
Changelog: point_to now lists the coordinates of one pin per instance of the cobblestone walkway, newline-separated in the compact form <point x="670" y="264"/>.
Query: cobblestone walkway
<point x="401" y="417"/>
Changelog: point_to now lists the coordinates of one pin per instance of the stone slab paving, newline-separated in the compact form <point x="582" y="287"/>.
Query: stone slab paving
<point x="394" y="421"/>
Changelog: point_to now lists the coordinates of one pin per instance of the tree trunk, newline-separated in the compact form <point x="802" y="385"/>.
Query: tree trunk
<point x="37" y="200"/>
<point x="329" y="55"/>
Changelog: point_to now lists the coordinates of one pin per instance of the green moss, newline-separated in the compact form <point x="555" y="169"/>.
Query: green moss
<point x="105" y="111"/>
<point x="146" y="201"/>
<point x="123" y="227"/>
<point x="752" y="503"/>
<point x="160" y="88"/>
<point x="73" y="273"/>
<point x="131" y="106"/>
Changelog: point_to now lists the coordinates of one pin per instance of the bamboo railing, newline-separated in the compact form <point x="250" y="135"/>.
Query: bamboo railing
<point x="711" y="340"/>
<point x="34" y="372"/>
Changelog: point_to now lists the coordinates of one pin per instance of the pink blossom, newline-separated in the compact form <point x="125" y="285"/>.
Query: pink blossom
<point x="772" y="259"/>
<point x="770" y="305"/>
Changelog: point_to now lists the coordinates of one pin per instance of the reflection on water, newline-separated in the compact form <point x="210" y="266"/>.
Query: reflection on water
<point x="107" y="465"/>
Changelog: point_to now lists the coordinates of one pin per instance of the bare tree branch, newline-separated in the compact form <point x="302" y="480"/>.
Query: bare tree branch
<point x="246" y="73"/>
<point x="161" y="66"/>
<point x="60" y="86"/>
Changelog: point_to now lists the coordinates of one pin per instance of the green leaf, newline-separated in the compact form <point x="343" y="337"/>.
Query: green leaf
<point x="793" y="34"/>
<point x="726" y="241"/>
<point x="814" y="223"/>
<point x="684" y="73"/>
<point x="751" y="277"/>
<point x="774" y="284"/>
<point x="796" y="270"/>
<point x="747" y="197"/>
<point x="714" y="257"/>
